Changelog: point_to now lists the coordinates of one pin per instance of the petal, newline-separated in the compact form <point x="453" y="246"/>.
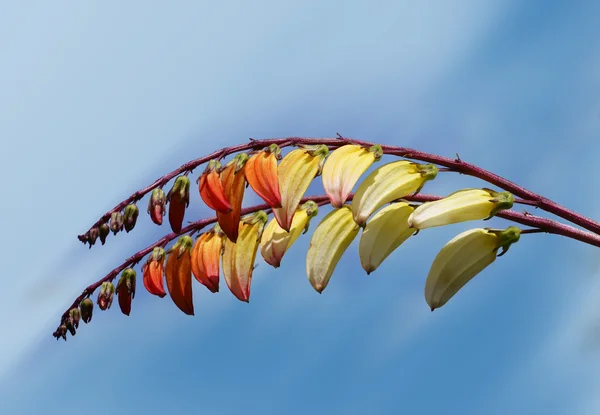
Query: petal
<point x="234" y="185"/>
<point x="457" y="263"/>
<point x="261" y="173"/>
<point x="212" y="191"/>
<point x="342" y="170"/>
<point x="296" y="171"/>
<point x="388" y="183"/>
<point x="461" y="206"/>
<point x="330" y="240"/>
<point x="384" y="232"/>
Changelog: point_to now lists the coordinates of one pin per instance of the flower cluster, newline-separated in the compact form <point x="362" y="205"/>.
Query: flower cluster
<point x="384" y="211"/>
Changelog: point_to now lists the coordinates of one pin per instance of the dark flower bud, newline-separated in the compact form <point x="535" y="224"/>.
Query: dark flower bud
<point x="75" y="316"/>
<point x="103" y="231"/>
<point x="87" y="307"/>
<point x="116" y="222"/>
<point x="130" y="216"/>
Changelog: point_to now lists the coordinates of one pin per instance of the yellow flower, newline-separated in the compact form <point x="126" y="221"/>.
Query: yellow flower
<point x="462" y="258"/>
<point x="275" y="241"/>
<point x="388" y="183"/>
<point x="344" y="167"/>
<point x="461" y="206"/>
<point x="295" y="173"/>
<point x="384" y="232"/>
<point x="330" y="240"/>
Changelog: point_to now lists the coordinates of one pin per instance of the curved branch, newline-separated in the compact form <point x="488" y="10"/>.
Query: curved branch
<point x="538" y="224"/>
<point x="456" y="165"/>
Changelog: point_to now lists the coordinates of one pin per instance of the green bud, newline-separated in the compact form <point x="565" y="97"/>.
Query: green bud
<point x="86" y="307"/>
<point x="130" y="216"/>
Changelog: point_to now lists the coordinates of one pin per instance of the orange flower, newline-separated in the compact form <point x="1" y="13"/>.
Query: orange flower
<point x="211" y="188"/>
<point x="234" y="183"/>
<point x="179" y="275"/>
<point x="206" y="256"/>
<point x="153" y="273"/>
<point x="261" y="173"/>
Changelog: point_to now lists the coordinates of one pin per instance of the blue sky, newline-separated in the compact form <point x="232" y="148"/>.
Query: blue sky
<point x="100" y="98"/>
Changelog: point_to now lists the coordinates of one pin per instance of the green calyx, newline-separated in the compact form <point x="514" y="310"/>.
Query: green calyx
<point x="312" y="209"/>
<point x="506" y="237"/>
<point x="259" y="216"/>
<point x="501" y="200"/>
<point x="184" y="243"/>
<point x="212" y="166"/>
<point x="158" y="254"/>
<point x="239" y="160"/>
<point x="377" y="151"/>
<point x="427" y="171"/>
<point x="274" y="149"/>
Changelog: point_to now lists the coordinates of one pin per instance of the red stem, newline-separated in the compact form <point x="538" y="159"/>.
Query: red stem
<point x="456" y="165"/>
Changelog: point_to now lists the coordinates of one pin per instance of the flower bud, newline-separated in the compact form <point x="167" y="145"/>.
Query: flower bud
<point x="75" y="316"/>
<point x="178" y="198"/>
<point x="92" y="235"/>
<point x="116" y="222"/>
<point x="130" y="216"/>
<point x="69" y="325"/>
<point x="105" y="298"/>
<point x="103" y="231"/>
<point x="86" y="307"/>
<point x="156" y="206"/>
<point x="61" y="331"/>
<point x="126" y="290"/>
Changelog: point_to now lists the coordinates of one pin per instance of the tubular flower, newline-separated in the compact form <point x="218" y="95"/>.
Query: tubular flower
<point x="157" y="205"/>
<point x="178" y="274"/>
<point x="261" y="173"/>
<point x="126" y="290"/>
<point x="206" y="255"/>
<point x="234" y="183"/>
<point x="275" y="241"/>
<point x="388" y="183"/>
<point x="344" y="167"/>
<point x="461" y="206"/>
<point x="178" y="198"/>
<point x="211" y="188"/>
<point x="384" y="232"/>
<point x="330" y="240"/>
<point x="153" y="271"/>
<point x="238" y="258"/>
<point x="464" y="257"/>
<point x="297" y="169"/>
